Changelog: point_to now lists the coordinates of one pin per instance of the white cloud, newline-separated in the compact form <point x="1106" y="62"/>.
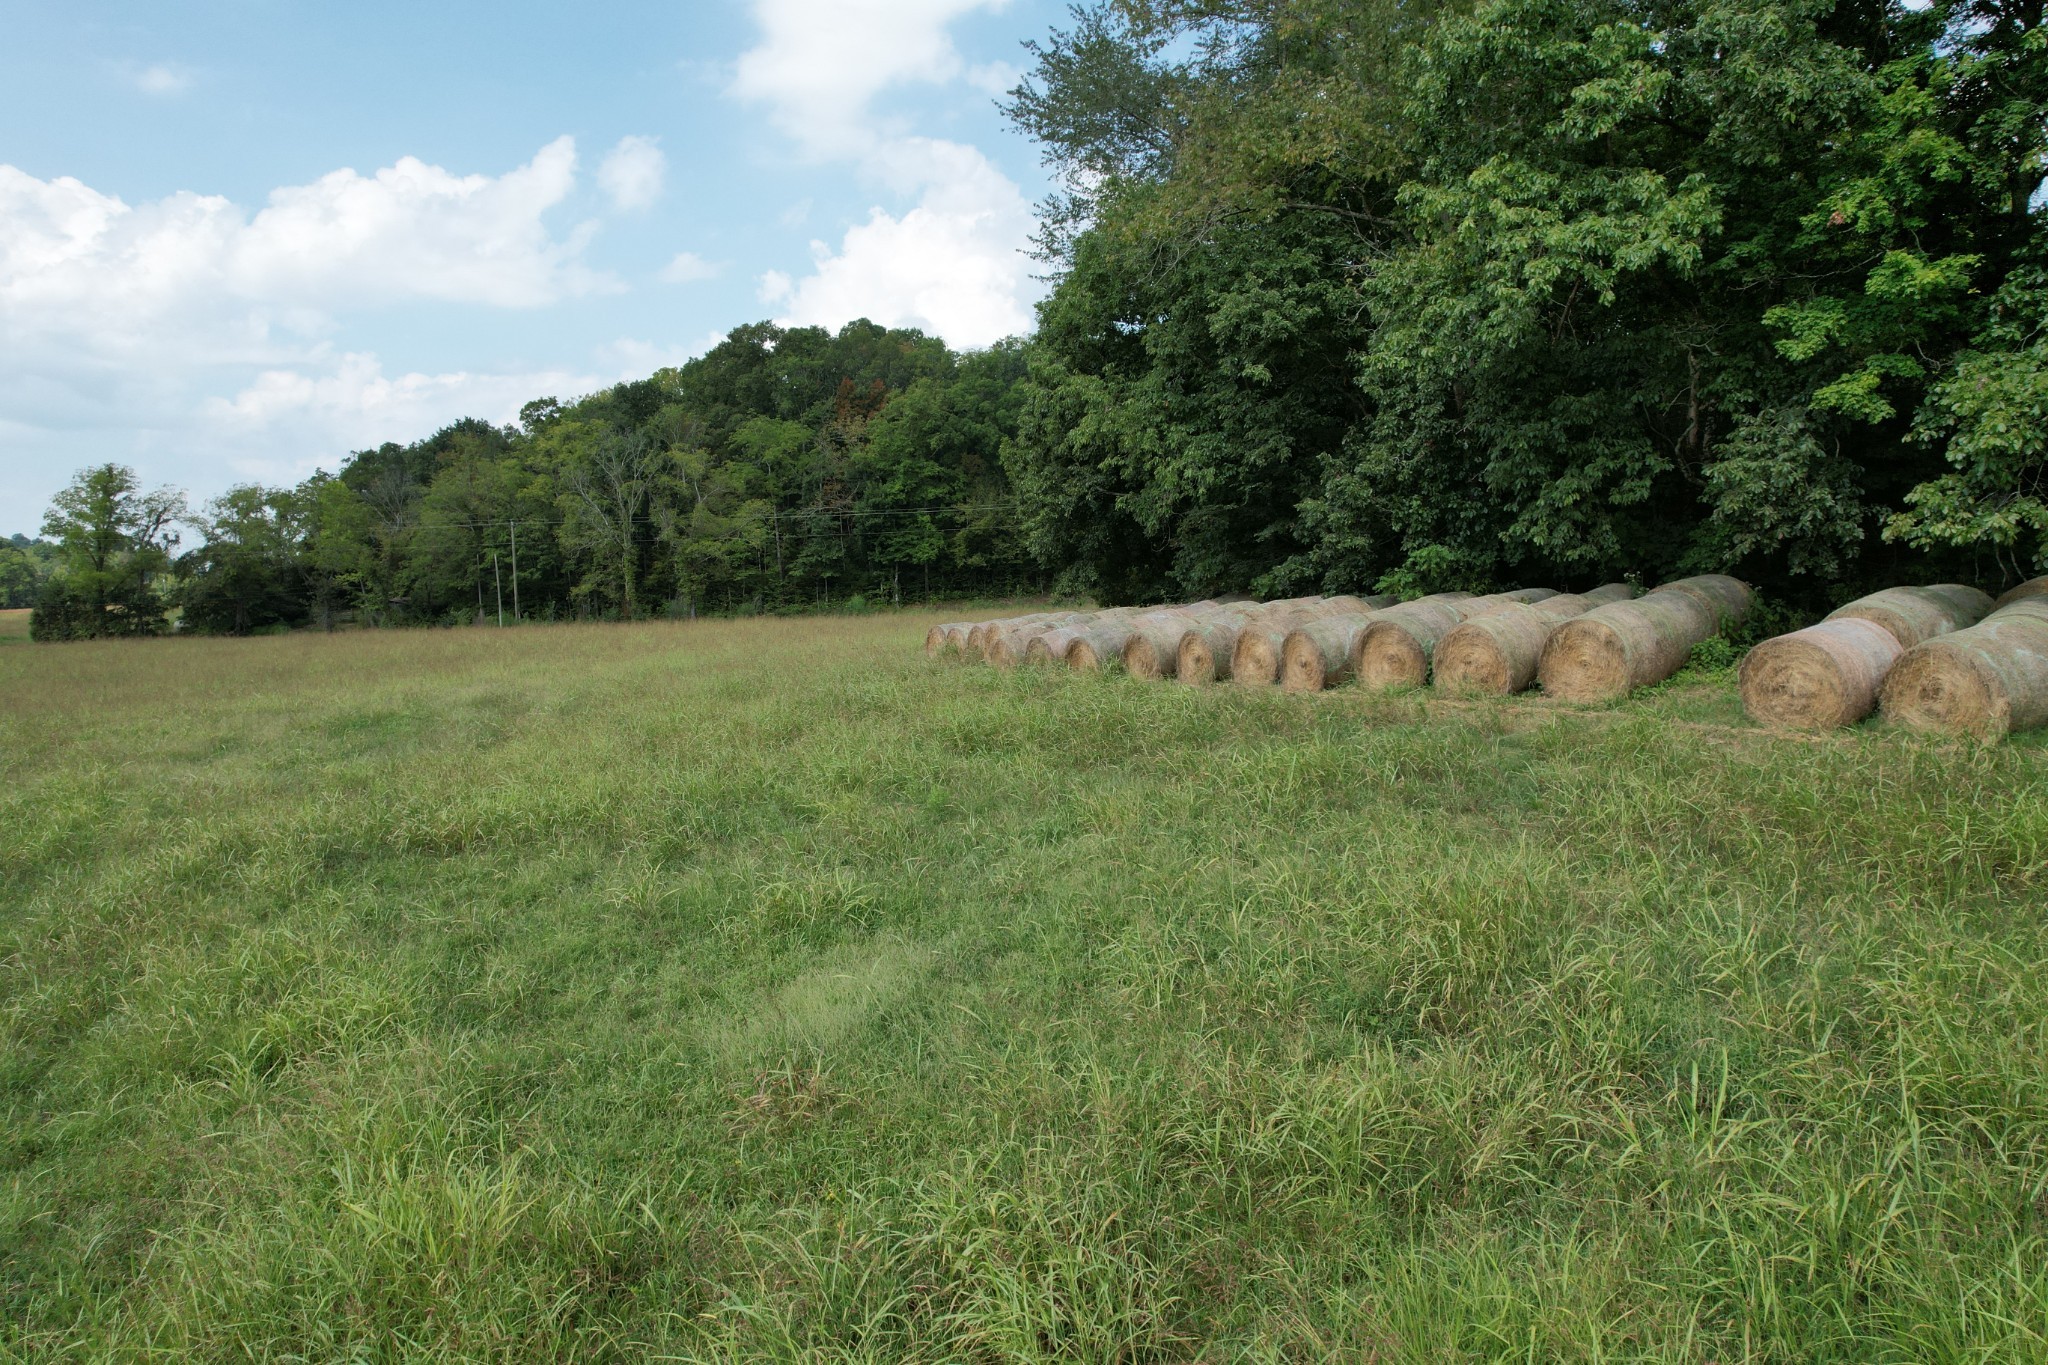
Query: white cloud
<point x="950" y="265"/>
<point x="689" y="268"/>
<point x="83" y="268"/>
<point x="820" y="62"/>
<point x="162" y="80"/>
<point x="352" y="402"/>
<point x="632" y="173"/>
<point x="953" y="263"/>
<point x="121" y="324"/>
<point x="637" y="359"/>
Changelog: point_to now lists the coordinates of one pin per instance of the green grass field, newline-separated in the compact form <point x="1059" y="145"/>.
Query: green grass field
<point x="761" y="991"/>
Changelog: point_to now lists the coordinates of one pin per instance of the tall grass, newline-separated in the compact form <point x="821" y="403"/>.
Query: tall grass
<point x="758" y="991"/>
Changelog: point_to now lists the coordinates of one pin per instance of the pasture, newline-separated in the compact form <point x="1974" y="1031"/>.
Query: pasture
<point x="762" y="991"/>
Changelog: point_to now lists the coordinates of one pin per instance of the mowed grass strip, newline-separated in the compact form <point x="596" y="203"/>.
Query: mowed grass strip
<point x="761" y="991"/>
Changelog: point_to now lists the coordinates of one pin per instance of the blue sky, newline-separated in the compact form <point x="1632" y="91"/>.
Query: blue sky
<point x="239" y="238"/>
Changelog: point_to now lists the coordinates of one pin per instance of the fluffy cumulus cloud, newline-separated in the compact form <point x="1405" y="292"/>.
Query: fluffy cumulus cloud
<point x="953" y="262"/>
<point x="632" y="173"/>
<point x="132" y="319"/>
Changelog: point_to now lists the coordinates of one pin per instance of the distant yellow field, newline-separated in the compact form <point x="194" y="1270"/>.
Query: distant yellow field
<point x="13" y="626"/>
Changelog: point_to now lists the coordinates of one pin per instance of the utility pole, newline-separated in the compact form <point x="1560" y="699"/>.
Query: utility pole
<point x="515" y="569"/>
<point x="499" y="584"/>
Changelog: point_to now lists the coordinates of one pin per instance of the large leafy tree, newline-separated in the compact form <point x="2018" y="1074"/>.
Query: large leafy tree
<point x="113" y="543"/>
<point x="250" y="571"/>
<point x="1619" y="287"/>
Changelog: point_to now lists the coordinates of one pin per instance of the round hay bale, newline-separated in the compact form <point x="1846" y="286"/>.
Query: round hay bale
<point x="1203" y="653"/>
<point x="945" y="639"/>
<point x="2033" y="587"/>
<point x="1046" y="646"/>
<point x="1350" y="603"/>
<point x="1610" y="592"/>
<point x="1820" y="678"/>
<point x="1530" y="596"/>
<point x="1496" y="654"/>
<point x="1727" y="598"/>
<point x="1092" y="646"/>
<point x="1255" y="658"/>
<point x="1612" y="650"/>
<point x="1317" y="654"/>
<point x="1914" y="615"/>
<point x="1153" y="651"/>
<point x="1565" y="606"/>
<point x="1394" y="648"/>
<point x="993" y="631"/>
<point x="1986" y="680"/>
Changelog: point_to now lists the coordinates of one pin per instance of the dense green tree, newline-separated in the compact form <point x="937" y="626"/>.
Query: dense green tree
<point x="250" y="570"/>
<point x="24" y="564"/>
<point x="113" y="542"/>
<point x="1619" y="288"/>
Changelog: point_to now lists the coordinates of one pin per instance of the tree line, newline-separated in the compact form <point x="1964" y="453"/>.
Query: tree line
<point x="785" y="468"/>
<point x="1347" y="295"/>
<point x="1407" y="294"/>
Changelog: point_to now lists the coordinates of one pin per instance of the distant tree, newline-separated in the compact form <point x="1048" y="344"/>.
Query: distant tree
<point x="113" y="542"/>
<point x="250" y="571"/>
<point x="24" y="563"/>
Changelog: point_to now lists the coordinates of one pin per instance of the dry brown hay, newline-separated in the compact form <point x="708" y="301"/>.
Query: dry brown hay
<point x="1820" y="678"/>
<point x="1153" y="650"/>
<point x="2033" y="587"/>
<point x="1612" y="650"/>
<point x="1317" y="654"/>
<point x="1987" y="680"/>
<point x="1203" y="653"/>
<point x="1915" y="615"/>
<point x="1728" y="599"/>
<point x="1255" y="659"/>
<point x="1496" y="654"/>
<point x="1394" y="648"/>
<point x="1610" y="592"/>
<point x="948" y="638"/>
<point x="1002" y="642"/>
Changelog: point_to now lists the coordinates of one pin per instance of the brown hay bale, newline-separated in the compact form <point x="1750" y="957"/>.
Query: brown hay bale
<point x="1496" y="654"/>
<point x="1394" y="648"/>
<point x="1255" y="658"/>
<point x="1091" y="645"/>
<point x="1006" y="643"/>
<point x="1987" y="680"/>
<point x="1153" y="650"/>
<point x="1350" y="604"/>
<point x="1494" y="601"/>
<point x="1317" y="654"/>
<point x="1564" y="606"/>
<point x="2033" y="587"/>
<point x="1610" y="592"/>
<point x="1203" y="653"/>
<point x="1820" y="678"/>
<point x="1530" y="596"/>
<point x="945" y="638"/>
<point x="1914" y="615"/>
<point x="1612" y="650"/>
<point x="1728" y="599"/>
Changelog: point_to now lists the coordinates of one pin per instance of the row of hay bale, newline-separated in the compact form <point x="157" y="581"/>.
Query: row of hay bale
<point x="1584" y="646"/>
<point x="1945" y="658"/>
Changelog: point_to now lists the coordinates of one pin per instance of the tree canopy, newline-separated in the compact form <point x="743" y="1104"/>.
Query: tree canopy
<point x="1399" y="295"/>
